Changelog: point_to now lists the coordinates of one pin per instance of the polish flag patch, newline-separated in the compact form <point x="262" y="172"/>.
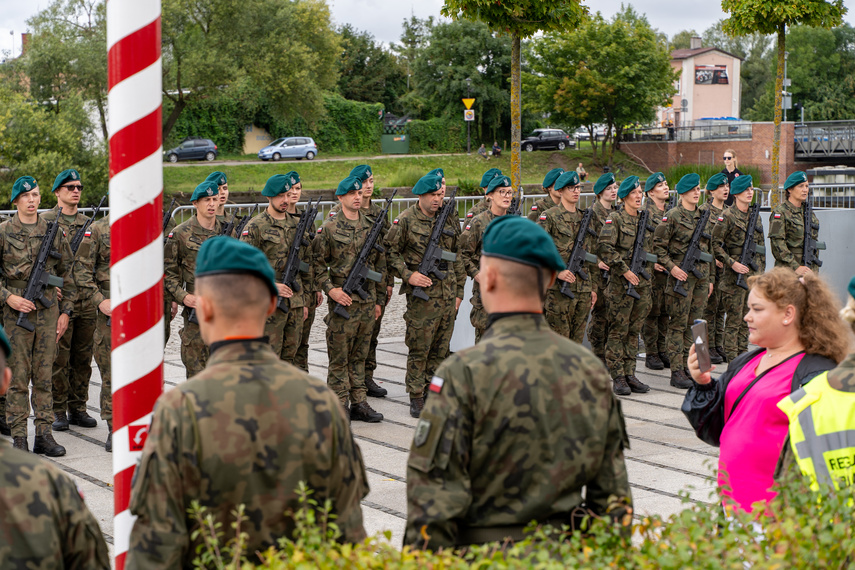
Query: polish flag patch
<point x="245" y="233"/>
<point x="665" y="218"/>
<point x="396" y="221"/>
<point x="534" y="208"/>
<point x="609" y="221"/>
<point x="87" y="233"/>
<point x="543" y="217"/>
<point x="777" y="216"/>
<point x="467" y="227"/>
<point x="320" y="230"/>
<point x="469" y="215"/>
<point x="720" y="219"/>
<point x="436" y="384"/>
<point x="170" y="235"/>
<point x="332" y="214"/>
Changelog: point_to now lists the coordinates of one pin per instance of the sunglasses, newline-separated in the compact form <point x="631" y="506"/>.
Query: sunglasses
<point x="727" y="157"/>
<point x="73" y="187"/>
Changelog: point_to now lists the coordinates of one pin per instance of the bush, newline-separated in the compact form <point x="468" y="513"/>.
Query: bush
<point x="441" y="134"/>
<point x="705" y="171"/>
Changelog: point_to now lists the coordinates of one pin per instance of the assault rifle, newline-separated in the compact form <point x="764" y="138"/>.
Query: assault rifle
<point x="516" y="204"/>
<point x="694" y="253"/>
<point x="359" y="273"/>
<point x="429" y="264"/>
<point x="578" y="255"/>
<point x="640" y="258"/>
<point x="749" y="247"/>
<point x="167" y="215"/>
<point x="78" y="237"/>
<point x="40" y="279"/>
<point x="672" y="202"/>
<point x="294" y="264"/>
<point x="244" y="221"/>
<point x="810" y="247"/>
<point x="229" y="226"/>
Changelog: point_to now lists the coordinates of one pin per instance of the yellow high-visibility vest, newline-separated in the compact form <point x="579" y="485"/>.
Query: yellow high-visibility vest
<point x="822" y="432"/>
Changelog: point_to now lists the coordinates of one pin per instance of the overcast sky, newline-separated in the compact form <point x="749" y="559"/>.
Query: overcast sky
<point x="382" y="18"/>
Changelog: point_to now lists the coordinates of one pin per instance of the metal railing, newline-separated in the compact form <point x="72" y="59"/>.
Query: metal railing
<point x="736" y="131"/>
<point x="825" y="139"/>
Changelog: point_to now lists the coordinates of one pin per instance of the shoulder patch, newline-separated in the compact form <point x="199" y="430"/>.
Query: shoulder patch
<point x="469" y="214"/>
<point x="396" y="221"/>
<point x="664" y="218"/>
<point x="534" y="208"/>
<point x="467" y="226"/>
<point x="777" y="216"/>
<point x="332" y="214"/>
<point x="320" y="230"/>
<point x="543" y="217"/>
<point x="87" y="233"/>
<point x="170" y="235"/>
<point x="608" y="221"/>
<point x="720" y="218"/>
<point x="436" y="384"/>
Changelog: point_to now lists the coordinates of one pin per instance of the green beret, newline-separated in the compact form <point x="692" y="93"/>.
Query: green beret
<point x="569" y="178"/>
<point x="437" y="171"/>
<point x="293" y="177"/>
<point x="653" y="180"/>
<point x="852" y="288"/>
<point x="363" y="172"/>
<point x="65" y="176"/>
<point x="716" y="180"/>
<point x="603" y="182"/>
<point x="497" y="182"/>
<point x="628" y="185"/>
<point x="23" y="184"/>
<point x="223" y="254"/>
<point x="740" y="184"/>
<point x="275" y="185"/>
<point x="428" y="183"/>
<point x="688" y="182"/>
<point x="217" y="178"/>
<point x="519" y="239"/>
<point x="795" y="178"/>
<point x="347" y="185"/>
<point x="4" y="343"/>
<point x="489" y="175"/>
<point x="206" y="188"/>
<point x="552" y="176"/>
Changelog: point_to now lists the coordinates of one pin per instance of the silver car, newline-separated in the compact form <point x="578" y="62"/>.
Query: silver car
<point x="290" y="147"/>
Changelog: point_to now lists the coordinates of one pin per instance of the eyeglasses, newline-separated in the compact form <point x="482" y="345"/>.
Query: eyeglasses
<point x="727" y="158"/>
<point x="505" y="193"/>
<point x="73" y="187"/>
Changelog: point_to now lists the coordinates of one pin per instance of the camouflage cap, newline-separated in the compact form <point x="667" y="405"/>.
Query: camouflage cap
<point x="488" y="176"/>
<point x="438" y="171"/>
<point x="716" y="180"/>
<point x="4" y="342"/>
<point x="221" y="255"/>
<point x="551" y="177"/>
<point x="428" y="183"/>
<point x="628" y="185"/>
<point x="206" y="188"/>
<point x="519" y="239"/>
<point x="688" y="182"/>
<point x="349" y="184"/>
<point x="276" y="184"/>
<point x="653" y="180"/>
<point x="363" y="172"/>
<point x="23" y="184"/>
<point x="497" y="182"/>
<point x="740" y="184"/>
<point x="569" y="178"/>
<point x="603" y="182"/>
<point x="293" y="178"/>
<point x="217" y="178"/>
<point x="64" y="177"/>
<point x="795" y="178"/>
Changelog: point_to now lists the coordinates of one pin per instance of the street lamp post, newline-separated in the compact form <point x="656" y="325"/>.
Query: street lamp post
<point x="468" y="123"/>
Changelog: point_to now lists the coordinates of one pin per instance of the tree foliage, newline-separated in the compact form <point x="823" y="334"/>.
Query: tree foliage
<point x="368" y="72"/>
<point x="682" y="40"/>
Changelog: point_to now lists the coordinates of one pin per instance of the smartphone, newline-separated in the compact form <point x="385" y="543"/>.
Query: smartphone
<point x="702" y="349"/>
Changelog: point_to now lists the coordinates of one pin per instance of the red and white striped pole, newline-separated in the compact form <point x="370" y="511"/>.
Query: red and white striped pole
<point x="136" y="263"/>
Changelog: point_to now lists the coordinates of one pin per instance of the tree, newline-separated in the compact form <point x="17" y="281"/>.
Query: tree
<point x="682" y="40"/>
<point x="367" y="72"/>
<point x="414" y="37"/>
<point x="520" y="19"/>
<point x="773" y="17"/>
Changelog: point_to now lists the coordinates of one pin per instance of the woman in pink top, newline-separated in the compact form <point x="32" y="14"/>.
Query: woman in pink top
<point x="794" y="322"/>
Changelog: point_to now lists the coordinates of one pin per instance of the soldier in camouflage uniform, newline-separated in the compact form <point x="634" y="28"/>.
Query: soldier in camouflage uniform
<point x="606" y="189"/>
<point x="655" y="329"/>
<point x="222" y="183"/>
<point x="717" y="192"/>
<point x="245" y="431"/>
<point x="482" y="466"/>
<point x="626" y="314"/>
<point x="483" y="205"/>
<point x="501" y="192"/>
<point x="72" y="369"/>
<point x="670" y="243"/>
<point x="429" y="323"/>
<point x="33" y="353"/>
<point x="179" y="262"/>
<point x="335" y="250"/>
<point x="552" y="198"/>
<point x="728" y="239"/>
<point x="787" y="226"/>
<point x="170" y="307"/>
<point x="567" y="316"/>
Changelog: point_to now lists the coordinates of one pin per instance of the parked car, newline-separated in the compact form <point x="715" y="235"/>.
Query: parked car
<point x="290" y="147"/>
<point x="582" y="134"/>
<point x="193" y="148"/>
<point x="547" y="138"/>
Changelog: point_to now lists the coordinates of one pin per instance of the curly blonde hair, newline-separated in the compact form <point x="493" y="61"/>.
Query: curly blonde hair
<point x="820" y="329"/>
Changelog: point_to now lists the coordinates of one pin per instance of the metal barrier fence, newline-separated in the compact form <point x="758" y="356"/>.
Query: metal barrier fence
<point x="825" y="139"/>
<point x="738" y="131"/>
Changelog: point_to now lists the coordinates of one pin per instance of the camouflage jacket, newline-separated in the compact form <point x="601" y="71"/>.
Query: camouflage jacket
<point x="372" y="212"/>
<point x="617" y="238"/>
<point x="45" y="523"/>
<point x="654" y="219"/>
<point x="274" y="237"/>
<point x="729" y="237"/>
<point x="92" y="263"/>
<point x="787" y="235"/>
<point x="540" y="207"/>
<point x="336" y="248"/>
<point x="470" y="246"/>
<point x="406" y="242"/>
<point x="523" y="426"/>
<point x="20" y="244"/>
<point x="480" y="206"/>
<point x="563" y="226"/>
<point x="597" y="220"/>
<point x="246" y="430"/>
<point x="70" y="227"/>
<point x="671" y="241"/>
<point x="179" y="256"/>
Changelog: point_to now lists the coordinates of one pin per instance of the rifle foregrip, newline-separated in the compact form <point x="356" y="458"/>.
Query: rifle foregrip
<point x="374" y="276"/>
<point x="448" y="255"/>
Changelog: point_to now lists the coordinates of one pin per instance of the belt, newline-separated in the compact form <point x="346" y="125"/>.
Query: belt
<point x="17" y="283"/>
<point x="467" y="535"/>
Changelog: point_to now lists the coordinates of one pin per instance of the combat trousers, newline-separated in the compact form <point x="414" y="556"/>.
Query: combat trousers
<point x="194" y="352"/>
<point x="598" y="330"/>
<point x="682" y="312"/>
<point x="626" y="317"/>
<point x="347" y="350"/>
<point x="655" y="329"/>
<point x="734" y="300"/>
<point x="714" y="313"/>
<point x="567" y="316"/>
<point x="285" y="331"/>
<point x="477" y="316"/>
<point x="430" y="325"/>
<point x="371" y="358"/>
<point x="167" y="317"/>
<point x="31" y="361"/>
<point x="301" y="358"/>
<point x="103" y="345"/>
<point x="73" y="368"/>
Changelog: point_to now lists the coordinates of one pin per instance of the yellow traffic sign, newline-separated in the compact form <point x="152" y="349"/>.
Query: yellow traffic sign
<point x="468" y="102"/>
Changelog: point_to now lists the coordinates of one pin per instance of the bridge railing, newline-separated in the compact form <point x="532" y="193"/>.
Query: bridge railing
<point x="825" y="139"/>
<point x="735" y="131"/>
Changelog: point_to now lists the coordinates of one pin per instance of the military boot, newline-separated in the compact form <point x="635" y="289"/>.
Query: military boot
<point x="108" y="445"/>
<point x="47" y="445"/>
<point x="715" y="357"/>
<point x="636" y="385"/>
<point x="417" y="404"/>
<point x="621" y="388"/>
<point x="60" y="423"/>
<point x="680" y="380"/>
<point x="374" y="390"/>
<point x="4" y="427"/>
<point x="20" y="443"/>
<point x="362" y="412"/>
<point x="666" y="362"/>
<point x="82" y="419"/>
<point x="722" y="353"/>
<point x="653" y="362"/>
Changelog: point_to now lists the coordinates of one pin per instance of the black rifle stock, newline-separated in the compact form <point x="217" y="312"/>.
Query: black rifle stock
<point x="694" y="253"/>
<point x="749" y="247"/>
<point x="294" y="264"/>
<point x="229" y="226"/>
<point x="244" y="221"/>
<point x="78" y="237"/>
<point x="167" y="215"/>
<point x="359" y="273"/>
<point x="810" y="246"/>
<point x="672" y="202"/>
<point x="429" y="264"/>
<point x="40" y="279"/>
<point x="578" y="255"/>
<point x="516" y="204"/>
<point x="640" y="257"/>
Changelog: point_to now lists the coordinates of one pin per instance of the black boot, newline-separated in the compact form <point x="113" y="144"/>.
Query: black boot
<point x="680" y="380"/>
<point x="621" y="388"/>
<point x="82" y="419"/>
<point x="636" y="385"/>
<point x="666" y="362"/>
<point x="4" y="427"/>
<point x="60" y="423"/>
<point x="417" y="404"/>
<point x="47" y="445"/>
<point x="722" y="353"/>
<point x="20" y="443"/>
<point x="715" y="357"/>
<point x="362" y="412"/>
<point x="374" y="390"/>
<point x="653" y="362"/>
<point x="108" y="445"/>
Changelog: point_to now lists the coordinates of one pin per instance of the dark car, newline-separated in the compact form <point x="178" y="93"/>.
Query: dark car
<point x="547" y="138"/>
<point x="193" y="149"/>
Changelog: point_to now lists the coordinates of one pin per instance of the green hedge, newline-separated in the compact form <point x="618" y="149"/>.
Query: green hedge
<point x="441" y="134"/>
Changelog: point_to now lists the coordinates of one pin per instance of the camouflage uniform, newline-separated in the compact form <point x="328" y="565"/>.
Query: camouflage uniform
<point x="714" y="313"/>
<point x="33" y="353"/>
<point x="540" y="207"/>
<point x="787" y="235"/>
<point x="728" y="239"/>
<point x="567" y="316"/>
<point x="336" y="246"/>
<point x="480" y="206"/>
<point x="655" y="329"/>
<point x="246" y="430"/>
<point x="167" y="298"/>
<point x="490" y="451"/>
<point x="598" y="330"/>
<point x="470" y="250"/>
<point x="670" y="243"/>
<point x="45" y="522"/>
<point x="429" y="323"/>
<point x="179" y="262"/>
